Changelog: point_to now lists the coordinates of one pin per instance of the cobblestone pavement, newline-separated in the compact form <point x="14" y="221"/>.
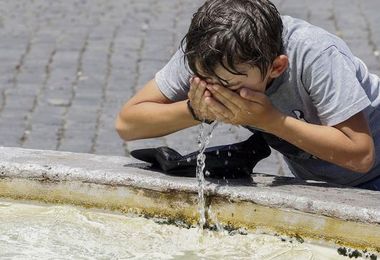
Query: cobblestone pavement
<point x="66" y="67"/>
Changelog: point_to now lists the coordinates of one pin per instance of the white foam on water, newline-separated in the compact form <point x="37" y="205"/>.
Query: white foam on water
<point x="29" y="231"/>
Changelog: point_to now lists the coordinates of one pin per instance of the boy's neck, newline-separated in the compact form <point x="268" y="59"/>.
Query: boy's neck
<point x="270" y="83"/>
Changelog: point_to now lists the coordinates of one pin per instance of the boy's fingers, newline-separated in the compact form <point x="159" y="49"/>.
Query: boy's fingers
<point x="220" y="116"/>
<point x="190" y="94"/>
<point x="218" y="109"/>
<point x="196" y="93"/>
<point x="207" y="93"/>
<point x="227" y="102"/>
<point x="251" y="95"/>
<point x="209" y="113"/>
<point x="194" y="81"/>
<point x="199" y="91"/>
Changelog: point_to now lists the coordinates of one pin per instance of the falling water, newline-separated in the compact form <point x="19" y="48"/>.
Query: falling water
<point x="205" y="134"/>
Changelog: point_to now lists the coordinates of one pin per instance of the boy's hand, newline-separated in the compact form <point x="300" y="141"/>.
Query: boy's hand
<point x="197" y="95"/>
<point x="246" y="107"/>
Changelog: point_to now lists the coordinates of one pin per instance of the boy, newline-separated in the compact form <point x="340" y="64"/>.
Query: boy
<point x="242" y="63"/>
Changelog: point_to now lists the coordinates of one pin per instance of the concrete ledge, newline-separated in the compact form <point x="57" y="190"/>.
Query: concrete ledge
<point x="342" y="215"/>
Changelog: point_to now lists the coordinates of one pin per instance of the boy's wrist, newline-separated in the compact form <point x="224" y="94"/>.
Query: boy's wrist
<point x="277" y="124"/>
<point x="194" y="115"/>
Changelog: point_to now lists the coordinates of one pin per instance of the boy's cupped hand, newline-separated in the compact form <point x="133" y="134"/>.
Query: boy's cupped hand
<point x="197" y="95"/>
<point x="243" y="107"/>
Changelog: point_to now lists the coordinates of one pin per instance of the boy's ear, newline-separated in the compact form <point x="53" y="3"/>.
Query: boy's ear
<point x="279" y="65"/>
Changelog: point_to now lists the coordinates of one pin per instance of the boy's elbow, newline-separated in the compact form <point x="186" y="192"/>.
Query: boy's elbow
<point x="123" y="129"/>
<point x="367" y="161"/>
<point x="368" y="164"/>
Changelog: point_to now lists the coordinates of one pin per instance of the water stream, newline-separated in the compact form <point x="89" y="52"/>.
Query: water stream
<point x="205" y="134"/>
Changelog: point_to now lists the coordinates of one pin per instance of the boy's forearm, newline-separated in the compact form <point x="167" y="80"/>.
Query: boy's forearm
<point x="328" y="143"/>
<point x="150" y="119"/>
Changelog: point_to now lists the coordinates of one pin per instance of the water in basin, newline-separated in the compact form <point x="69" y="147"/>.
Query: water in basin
<point x="36" y="231"/>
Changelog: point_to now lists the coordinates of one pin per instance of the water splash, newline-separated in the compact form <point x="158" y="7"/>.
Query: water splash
<point x="205" y="134"/>
<point x="214" y="219"/>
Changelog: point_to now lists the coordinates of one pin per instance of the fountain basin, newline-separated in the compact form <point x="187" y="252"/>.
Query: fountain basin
<point x="306" y="210"/>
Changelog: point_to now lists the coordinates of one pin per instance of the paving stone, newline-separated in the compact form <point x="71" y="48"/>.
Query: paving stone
<point x="31" y="78"/>
<point x="80" y="125"/>
<point x="10" y="127"/>
<point x="120" y="83"/>
<point x="110" y="149"/>
<point x="56" y="96"/>
<point x="82" y="116"/>
<point x="148" y="69"/>
<point x="12" y="130"/>
<point x="128" y="42"/>
<point x="77" y="146"/>
<point x="14" y="43"/>
<point x="48" y="115"/>
<point x="79" y="140"/>
<point x="147" y="143"/>
<point x="83" y="103"/>
<point x="185" y="141"/>
<point x="88" y="94"/>
<point x="15" y="113"/>
<point x="10" y="139"/>
<point x="108" y="134"/>
<point x="270" y="164"/>
<point x="42" y="137"/>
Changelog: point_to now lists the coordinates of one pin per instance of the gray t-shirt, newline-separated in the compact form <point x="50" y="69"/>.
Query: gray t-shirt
<point x="325" y="84"/>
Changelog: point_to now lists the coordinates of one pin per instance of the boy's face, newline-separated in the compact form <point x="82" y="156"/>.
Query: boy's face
<point x="252" y="80"/>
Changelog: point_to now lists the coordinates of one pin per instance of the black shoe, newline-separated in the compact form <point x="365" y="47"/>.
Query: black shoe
<point x="226" y="161"/>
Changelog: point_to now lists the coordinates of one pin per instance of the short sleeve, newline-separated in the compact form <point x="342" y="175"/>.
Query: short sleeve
<point x="173" y="78"/>
<point x="334" y="89"/>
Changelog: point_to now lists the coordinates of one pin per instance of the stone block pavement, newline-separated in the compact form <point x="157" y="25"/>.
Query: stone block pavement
<point x="66" y="67"/>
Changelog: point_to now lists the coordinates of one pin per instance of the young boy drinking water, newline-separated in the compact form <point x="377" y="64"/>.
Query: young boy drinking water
<point x="242" y="63"/>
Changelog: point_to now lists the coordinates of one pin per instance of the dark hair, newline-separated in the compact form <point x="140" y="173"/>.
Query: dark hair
<point x="232" y="32"/>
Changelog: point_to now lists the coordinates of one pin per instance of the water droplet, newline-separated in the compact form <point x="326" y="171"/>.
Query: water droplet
<point x="229" y="154"/>
<point x="217" y="152"/>
<point x="207" y="173"/>
<point x="225" y="162"/>
<point x="188" y="160"/>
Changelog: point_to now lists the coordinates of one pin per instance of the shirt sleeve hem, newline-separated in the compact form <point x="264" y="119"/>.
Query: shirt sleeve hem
<point x="165" y="90"/>
<point x="350" y="111"/>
